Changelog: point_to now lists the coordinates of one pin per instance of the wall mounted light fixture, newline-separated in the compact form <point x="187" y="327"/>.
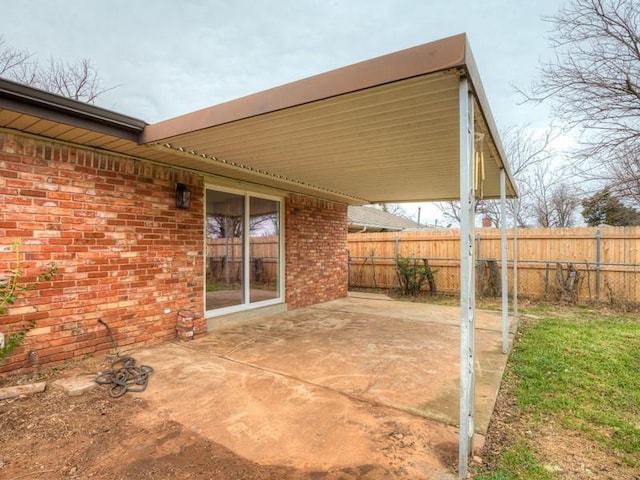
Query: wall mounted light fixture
<point x="183" y="196"/>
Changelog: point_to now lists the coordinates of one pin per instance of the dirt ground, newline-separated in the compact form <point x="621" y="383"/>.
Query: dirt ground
<point x="52" y="436"/>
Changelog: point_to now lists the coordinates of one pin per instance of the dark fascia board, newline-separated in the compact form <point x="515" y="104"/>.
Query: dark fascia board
<point x="38" y="103"/>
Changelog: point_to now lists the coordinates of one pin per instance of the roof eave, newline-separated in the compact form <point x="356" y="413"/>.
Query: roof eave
<point x="39" y="103"/>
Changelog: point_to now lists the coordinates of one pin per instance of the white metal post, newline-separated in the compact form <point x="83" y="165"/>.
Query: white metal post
<point x="515" y="263"/>
<point x="503" y="249"/>
<point x="467" y="278"/>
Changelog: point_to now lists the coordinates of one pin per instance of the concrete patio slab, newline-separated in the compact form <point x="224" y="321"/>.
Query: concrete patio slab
<point x="298" y="387"/>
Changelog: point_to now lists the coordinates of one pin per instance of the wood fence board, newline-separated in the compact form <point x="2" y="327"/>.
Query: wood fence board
<point x="372" y="257"/>
<point x="539" y="250"/>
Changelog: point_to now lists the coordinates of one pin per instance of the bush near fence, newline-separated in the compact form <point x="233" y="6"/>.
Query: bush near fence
<point x="605" y="260"/>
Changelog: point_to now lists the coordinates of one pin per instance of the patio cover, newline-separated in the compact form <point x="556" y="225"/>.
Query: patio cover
<point x="403" y="127"/>
<point x="384" y="130"/>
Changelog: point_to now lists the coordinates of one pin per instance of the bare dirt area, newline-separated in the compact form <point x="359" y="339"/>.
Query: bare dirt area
<point x="52" y="436"/>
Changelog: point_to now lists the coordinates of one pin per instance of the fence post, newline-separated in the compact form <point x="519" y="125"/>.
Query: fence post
<point x="598" y="238"/>
<point x="396" y="250"/>
<point x="515" y="268"/>
<point x="546" y="281"/>
<point x="503" y="261"/>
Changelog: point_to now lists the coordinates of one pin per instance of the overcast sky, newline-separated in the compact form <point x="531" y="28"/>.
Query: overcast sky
<point x="173" y="57"/>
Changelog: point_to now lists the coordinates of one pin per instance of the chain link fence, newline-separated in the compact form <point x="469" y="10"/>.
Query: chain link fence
<point x="615" y="284"/>
<point x="553" y="279"/>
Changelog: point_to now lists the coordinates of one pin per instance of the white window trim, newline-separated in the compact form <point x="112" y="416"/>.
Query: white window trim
<point x="246" y="244"/>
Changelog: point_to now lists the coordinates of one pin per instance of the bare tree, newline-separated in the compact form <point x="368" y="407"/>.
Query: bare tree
<point x="594" y="85"/>
<point x="564" y="202"/>
<point x="528" y="151"/>
<point x="392" y="208"/>
<point x="554" y="202"/>
<point x="11" y="59"/>
<point x="223" y="226"/>
<point x="226" y="226"/>
<point x="451" y="211"/>
<point x="77" y="80"/>
<point x="620" y="173"/>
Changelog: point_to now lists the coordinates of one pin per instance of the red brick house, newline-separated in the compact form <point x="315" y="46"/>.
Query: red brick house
<point x="96" y="192"/>
<point x="126" y="254"/>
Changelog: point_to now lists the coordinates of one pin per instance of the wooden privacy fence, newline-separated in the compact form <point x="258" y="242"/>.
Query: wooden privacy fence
<point x="599" y="264"/>
<point x="224" y="259"/>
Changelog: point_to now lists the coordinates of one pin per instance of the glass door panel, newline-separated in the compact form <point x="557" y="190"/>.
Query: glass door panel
<point x="264" y="249"/>
<point x="225" y="246"/>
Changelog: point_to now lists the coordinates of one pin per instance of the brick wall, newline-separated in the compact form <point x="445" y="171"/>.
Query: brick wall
<point x="124" y="252"/>
<point x="316" y="251"/>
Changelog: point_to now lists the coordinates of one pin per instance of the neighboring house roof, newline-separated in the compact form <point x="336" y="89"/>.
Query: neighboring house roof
<point x="375" y="220"/>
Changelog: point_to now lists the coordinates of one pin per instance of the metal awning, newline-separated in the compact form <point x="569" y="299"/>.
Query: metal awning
<point x="384" y="130"/>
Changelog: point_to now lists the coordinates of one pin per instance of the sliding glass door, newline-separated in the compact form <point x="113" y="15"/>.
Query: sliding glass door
<point x="243" y="266"/>
<point x="225" y="239"/>
<point x="264" y="249"/>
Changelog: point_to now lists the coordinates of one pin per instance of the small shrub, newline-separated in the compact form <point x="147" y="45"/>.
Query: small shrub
<point x="413" y="275"/>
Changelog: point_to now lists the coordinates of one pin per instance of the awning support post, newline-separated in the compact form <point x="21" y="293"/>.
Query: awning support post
<point x="467" y="278"/>
<point x="515" y="263"/>
<point x="503" y="249"/>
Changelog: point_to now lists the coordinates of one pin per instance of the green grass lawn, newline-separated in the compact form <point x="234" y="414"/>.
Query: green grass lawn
<point x="581" y="370"/>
